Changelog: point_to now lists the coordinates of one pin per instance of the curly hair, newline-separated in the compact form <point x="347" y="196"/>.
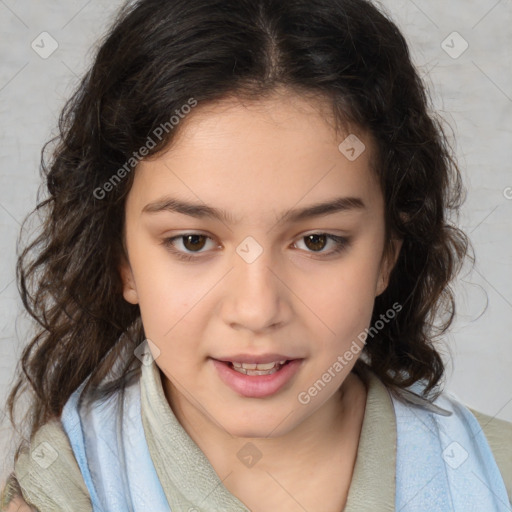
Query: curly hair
<point x="154" y="58"/>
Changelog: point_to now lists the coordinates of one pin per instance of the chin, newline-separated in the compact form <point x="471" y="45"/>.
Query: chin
<point x="255" y="427"/>
<point x="248" y="433"/>
<point x="253" y="432"/>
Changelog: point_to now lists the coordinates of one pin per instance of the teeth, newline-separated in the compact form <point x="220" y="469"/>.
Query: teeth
<point x="256" y="372"/>
<point x="258" y="369"/>
<point x="258" y="366"/>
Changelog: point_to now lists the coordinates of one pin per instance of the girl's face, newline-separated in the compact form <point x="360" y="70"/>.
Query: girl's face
<point x="256" y="239"/>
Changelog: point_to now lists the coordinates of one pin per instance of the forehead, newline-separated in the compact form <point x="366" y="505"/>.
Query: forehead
<point x="260" y="154"/>
<point x="284" y="117"/>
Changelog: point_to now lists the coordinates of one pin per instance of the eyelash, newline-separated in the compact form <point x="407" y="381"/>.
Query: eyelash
<point x="342" y="244"/>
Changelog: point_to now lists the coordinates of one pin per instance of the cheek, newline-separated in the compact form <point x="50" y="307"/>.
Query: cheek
<point x="168" y="299"/>
<point x="344" y="298"/>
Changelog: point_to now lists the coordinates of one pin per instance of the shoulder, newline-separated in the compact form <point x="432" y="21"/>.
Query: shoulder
<point x="48" y="474"/>
<point x="11" y="497"/>
<point x="499" y="436"/>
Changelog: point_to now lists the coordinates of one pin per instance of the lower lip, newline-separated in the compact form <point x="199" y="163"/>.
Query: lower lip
<point x="256" y="386"/>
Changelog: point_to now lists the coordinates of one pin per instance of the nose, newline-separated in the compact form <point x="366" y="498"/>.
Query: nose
<point x="255" y="298"/>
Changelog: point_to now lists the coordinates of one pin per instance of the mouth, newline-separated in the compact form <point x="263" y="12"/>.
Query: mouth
<point x="248" y="376"/>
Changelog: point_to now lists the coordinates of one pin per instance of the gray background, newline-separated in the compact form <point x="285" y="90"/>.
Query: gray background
<point x="471" y="91"/>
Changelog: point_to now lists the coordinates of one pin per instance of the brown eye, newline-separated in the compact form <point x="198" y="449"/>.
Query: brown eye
<point x="194" y="242"/>
<point x="188" y="246"/>
<point x="316" y="242"/>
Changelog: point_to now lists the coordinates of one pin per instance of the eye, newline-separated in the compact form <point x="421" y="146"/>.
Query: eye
<point x="192" y="242"/>
<point x="316" y="242"/>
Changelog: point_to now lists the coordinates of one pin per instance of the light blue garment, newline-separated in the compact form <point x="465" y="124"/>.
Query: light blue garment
<point x="444" y="462"/>
<point x="109" y="444"/>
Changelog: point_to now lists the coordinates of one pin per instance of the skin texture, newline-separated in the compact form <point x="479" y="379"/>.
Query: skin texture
<point x="19" y="505"/>
<point x="256" y="160"/>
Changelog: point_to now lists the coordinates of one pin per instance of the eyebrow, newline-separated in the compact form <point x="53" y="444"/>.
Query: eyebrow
<point x="201" y="211"/>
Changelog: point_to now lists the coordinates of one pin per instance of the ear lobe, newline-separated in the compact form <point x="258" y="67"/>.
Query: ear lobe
<point x="388" y="263"/>
<point x="129" y="288"/>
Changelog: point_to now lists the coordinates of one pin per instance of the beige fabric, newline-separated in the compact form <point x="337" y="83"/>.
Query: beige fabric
<point x="188" y="478"/>
<point x="49" y="475"/>
<point x="372" y="488"/>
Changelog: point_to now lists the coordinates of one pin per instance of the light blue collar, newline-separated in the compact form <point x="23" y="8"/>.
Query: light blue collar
<point x="444" y="462"/>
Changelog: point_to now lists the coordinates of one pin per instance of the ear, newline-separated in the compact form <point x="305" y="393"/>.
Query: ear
<point x="388" y="262"/>
<point x="129" y="288"/>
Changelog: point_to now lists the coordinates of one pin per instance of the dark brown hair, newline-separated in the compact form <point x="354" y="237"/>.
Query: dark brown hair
<point x="155" y="58"/>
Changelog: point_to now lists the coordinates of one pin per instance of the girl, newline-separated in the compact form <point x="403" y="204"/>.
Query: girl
<point x="243" y="270"/>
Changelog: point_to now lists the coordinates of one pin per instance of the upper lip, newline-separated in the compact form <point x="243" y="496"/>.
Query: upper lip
<point x="255" y="358"/>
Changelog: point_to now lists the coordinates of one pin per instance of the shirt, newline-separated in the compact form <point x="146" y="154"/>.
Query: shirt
<point x="189" y="479"/>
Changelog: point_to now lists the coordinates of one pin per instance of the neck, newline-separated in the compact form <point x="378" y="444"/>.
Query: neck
<point x="334" y="428"/>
